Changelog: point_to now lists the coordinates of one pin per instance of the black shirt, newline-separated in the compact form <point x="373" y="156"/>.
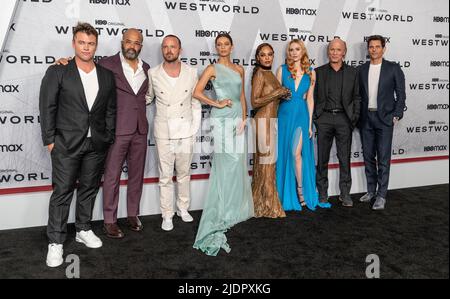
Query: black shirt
<point x="335" y="84"/>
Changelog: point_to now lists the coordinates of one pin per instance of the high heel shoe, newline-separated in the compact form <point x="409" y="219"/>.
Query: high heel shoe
<point x="300" y="197"/>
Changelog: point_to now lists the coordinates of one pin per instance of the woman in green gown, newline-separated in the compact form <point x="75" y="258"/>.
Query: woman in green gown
<point x="229" y="197"/>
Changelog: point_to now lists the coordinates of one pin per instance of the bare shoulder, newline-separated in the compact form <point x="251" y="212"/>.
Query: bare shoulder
<point x="238" y="68"/>
<point x="259" y="75"/>
<point x="209" y="72"/>
<point x="210" y="69"/>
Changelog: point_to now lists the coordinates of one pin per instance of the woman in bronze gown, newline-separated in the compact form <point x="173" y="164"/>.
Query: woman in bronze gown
<point x="266" y="95"/>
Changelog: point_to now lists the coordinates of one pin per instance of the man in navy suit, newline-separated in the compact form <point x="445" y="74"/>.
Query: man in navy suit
<point x="382" y="88"/>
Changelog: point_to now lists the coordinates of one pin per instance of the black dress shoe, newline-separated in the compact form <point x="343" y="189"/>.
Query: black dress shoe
<point x="379" y="204"/>
<point x="112" y="230"/>
<point x="135" y="224"/>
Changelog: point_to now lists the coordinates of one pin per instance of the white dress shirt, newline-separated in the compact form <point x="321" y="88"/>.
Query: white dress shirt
<point x="374" y="80"/>
<point x="91" y="87"/>
<point x="135" y="79"/>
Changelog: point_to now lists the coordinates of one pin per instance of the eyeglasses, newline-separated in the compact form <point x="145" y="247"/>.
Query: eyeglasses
<point x="134" y="43"/>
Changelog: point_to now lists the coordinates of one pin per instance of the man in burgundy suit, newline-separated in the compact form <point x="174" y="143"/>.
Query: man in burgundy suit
<point x="131" y="75"/>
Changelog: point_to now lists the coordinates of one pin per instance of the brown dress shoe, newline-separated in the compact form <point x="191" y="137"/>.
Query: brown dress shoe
<point x="135" y="224"/>
<point x="112" y="230"/>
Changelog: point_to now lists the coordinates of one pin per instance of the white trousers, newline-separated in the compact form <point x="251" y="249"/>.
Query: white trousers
<point x="174" y="154"/>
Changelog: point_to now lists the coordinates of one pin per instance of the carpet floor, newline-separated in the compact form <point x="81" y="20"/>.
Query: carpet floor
<point x="410" y="237"/>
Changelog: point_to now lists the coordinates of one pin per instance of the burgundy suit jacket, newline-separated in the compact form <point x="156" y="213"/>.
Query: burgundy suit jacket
<point x="131" y="108"/>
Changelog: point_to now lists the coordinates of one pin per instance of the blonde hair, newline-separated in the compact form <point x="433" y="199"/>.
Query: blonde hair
<point x="304" y="61"/>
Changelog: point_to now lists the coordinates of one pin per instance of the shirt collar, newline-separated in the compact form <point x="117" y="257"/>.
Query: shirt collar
<point x="344" y="65"/>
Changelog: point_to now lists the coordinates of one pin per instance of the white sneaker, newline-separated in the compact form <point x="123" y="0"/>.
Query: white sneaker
<point x="89" y="239"/>
<point x="185" y="216"/>
<point x="167" y="224"/>
<point x="55" y="255"/>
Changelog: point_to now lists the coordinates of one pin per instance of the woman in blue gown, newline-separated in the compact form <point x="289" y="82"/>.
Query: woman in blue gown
<point x="296" y="172"/>
<point x="229" y="197"/>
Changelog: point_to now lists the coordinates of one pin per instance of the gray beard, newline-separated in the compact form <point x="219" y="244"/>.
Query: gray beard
<point x="131" y="55"/>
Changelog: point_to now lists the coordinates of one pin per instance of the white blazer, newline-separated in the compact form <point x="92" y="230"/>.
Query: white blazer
<point x="178" y="114"/>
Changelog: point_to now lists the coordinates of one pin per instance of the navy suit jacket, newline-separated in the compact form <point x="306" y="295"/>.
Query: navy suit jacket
<point x="391" y="92"/>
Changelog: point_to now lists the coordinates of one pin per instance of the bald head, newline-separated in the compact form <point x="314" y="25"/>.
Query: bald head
<point x="337" y="42"/>
<point x="337" y="49"/>
<point x="132" y="44"/>
<point x="133" y="34"/>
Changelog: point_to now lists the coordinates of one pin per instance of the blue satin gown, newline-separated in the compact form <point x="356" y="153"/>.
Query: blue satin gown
<point x="293" y="124"/>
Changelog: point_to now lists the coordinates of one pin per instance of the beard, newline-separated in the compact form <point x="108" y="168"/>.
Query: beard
<point x="172" y="59"/>
<point x="130" y="54"/>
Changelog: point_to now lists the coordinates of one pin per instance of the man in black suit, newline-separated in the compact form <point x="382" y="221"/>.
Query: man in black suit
<point x="382" y="86"/>
<point x="77" y="106"/>
<point x="336" y="113"/>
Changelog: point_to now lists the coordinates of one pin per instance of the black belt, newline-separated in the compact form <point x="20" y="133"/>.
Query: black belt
<point x="334" y="111"/>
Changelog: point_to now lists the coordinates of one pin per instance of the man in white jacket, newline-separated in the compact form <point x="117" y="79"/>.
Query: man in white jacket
<point x="177" y="120"/>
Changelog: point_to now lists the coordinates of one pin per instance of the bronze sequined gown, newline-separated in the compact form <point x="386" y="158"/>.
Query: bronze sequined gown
<point x="266" y="94"/>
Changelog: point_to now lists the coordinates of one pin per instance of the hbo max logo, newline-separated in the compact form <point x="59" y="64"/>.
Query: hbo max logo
<point x="440" y="19"/>
<point x="111" y="2"/>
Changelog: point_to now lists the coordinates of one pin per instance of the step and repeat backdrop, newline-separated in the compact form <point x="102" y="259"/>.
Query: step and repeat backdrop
<point x="417" y="33"/>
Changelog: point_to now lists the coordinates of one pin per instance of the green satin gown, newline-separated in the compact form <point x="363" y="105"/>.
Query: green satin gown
<point x="229" y="197"/>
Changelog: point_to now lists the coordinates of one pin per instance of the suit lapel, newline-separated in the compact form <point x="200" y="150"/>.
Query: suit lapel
<point x="383" y="69"/>
<point x="344" y="81"/>
<point x="121" y="74"/>
<point x="365" y="76"/>
<point x="325" y="80"/>
<point x="101" y="81"/>
<point x="79" y="83"/>
<point x="163" y="77"/>
<point x="144" y="85"/>
<point x="181" y="78"/>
